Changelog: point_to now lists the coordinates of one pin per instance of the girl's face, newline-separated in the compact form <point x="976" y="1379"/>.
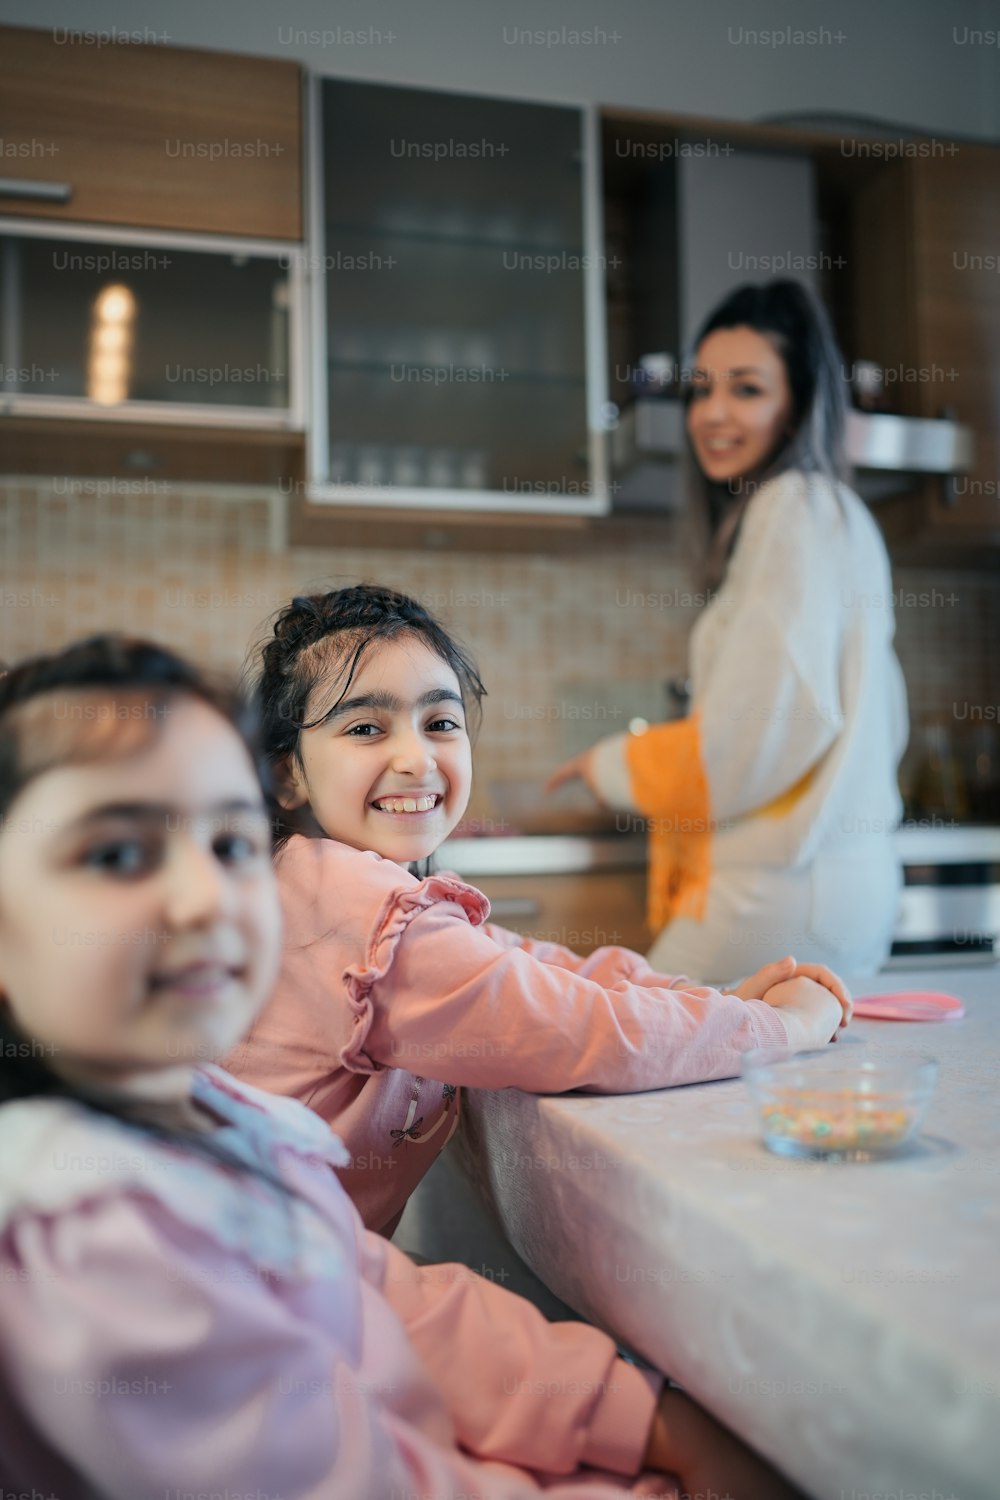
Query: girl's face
<point x="741" y="405"/>
<point x="390" y="768"/>
<point x="139" y="921"/>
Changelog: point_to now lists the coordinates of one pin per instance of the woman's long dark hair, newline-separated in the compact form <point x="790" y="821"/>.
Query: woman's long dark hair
<point x="102" y="669"/>
<point x="321" y="638"/>
<point x="795" y="322"/>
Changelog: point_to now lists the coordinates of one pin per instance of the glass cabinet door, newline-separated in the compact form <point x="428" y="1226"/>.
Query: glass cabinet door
<point x="452" y="271"/>
<point x="113" y="327"/>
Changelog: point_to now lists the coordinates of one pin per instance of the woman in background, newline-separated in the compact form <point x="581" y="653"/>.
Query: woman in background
<point x="771" y="806"/>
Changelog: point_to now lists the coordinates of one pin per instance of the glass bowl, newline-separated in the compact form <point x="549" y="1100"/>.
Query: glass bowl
<point x="823" y="1105"/>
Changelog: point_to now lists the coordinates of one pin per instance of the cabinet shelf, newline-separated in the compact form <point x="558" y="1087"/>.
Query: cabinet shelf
<point x="461" y="241"/>
<point x="382" y="369"/>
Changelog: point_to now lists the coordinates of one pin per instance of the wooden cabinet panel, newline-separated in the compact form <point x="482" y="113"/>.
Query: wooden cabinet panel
<point x="132" y="455"/>
<point x="150" y="136"/>
<point x="582" y="912"/>
<point x="926" y="232"/>
<point x="956" y="238"/>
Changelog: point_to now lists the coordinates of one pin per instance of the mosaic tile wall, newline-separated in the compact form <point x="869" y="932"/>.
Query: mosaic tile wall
<point x="569" y="647"/>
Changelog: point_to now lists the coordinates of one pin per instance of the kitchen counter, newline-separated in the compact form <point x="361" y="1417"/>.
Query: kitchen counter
<point x="950" y="902"/>
<point x="845" y="1317"/>
<point x="922" y="842"/>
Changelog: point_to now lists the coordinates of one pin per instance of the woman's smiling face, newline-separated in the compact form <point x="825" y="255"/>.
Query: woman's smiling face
<point x="390" y="767"/>
<point x="740" y="410"/>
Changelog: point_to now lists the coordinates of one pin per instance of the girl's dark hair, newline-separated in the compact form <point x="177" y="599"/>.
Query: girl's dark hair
<point x="793" y="319"/>
<point x="134" y="674"/>
<point x="322" y="638"/>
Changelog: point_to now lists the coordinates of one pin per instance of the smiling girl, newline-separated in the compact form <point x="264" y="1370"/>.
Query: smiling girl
<point x="188" y="1301"/>
<point x="393" y="990"/>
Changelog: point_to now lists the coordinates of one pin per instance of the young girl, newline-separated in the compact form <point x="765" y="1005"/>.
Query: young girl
<point x="393" y="992"/>
<point x="188" y="1301"/>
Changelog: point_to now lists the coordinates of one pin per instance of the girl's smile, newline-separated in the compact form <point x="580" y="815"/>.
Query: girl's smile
<point x="389" y="768"/>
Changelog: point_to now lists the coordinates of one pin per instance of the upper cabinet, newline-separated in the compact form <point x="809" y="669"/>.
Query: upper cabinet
<point x="450" y="273"/>
<point x="926" y="238"/>
<point x="149" y="136"/>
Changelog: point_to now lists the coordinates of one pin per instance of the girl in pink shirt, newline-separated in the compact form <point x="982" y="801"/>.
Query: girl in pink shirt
<point x="394" y="990"/>
<point x="189" y="1303"/>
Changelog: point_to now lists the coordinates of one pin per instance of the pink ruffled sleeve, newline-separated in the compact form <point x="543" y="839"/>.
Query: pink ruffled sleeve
<point x="150" y="1361"/>
<point x="139" y="1359"/>
<point x="485" y="1016"/>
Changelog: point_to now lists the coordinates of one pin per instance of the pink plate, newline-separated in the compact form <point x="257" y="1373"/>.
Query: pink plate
<point x="909" y="1005"/>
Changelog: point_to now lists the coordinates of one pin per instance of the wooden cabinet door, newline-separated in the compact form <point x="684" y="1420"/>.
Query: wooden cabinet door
<point x="926" y="252"/>
<point x="598" y="909"/>
<point x="955" y="203"/>
<point x="151" y="136"/>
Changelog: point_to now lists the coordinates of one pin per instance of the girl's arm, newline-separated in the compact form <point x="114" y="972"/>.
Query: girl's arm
<point x="142" y="1358"/>
<point x="489" y="1017"/>
<point x="547" y="1396"/>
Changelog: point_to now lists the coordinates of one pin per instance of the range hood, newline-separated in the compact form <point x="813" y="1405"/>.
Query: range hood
<point x="889" y="453"/>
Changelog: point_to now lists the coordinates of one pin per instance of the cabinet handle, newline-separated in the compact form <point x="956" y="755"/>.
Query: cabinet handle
<point x="515" y="908"/>
<point x="47" y="192"/>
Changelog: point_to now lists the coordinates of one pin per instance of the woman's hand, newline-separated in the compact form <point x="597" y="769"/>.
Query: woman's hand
<point x="706" y="1457"/>
<point x="757" y="986"/>
<point x="580" y="768"/>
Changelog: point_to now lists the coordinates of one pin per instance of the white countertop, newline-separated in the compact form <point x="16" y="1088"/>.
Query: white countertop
<point x="843" y="1316"/>
<point x="925" y="841"/>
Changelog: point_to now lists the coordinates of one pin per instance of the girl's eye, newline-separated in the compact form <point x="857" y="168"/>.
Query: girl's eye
<point x="748" y="390"/>
<point x="239" y="848"/>
<point x="364" y="731"/>
<point x="123" y="858"/>
<point x="442" y="726"/>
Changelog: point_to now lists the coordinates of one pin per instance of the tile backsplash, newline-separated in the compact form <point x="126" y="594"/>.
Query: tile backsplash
<point x="570" y="647"/>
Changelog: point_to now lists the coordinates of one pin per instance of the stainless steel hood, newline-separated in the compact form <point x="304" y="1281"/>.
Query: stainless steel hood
<point x="888" y="452"/>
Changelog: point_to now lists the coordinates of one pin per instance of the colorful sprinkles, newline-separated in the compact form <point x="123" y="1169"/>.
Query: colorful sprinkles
<point x="845" y="1121"/>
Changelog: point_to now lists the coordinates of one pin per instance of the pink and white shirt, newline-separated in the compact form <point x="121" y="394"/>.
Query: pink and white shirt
<point x="393" y="994"/>
<point x="170" y="1325"/>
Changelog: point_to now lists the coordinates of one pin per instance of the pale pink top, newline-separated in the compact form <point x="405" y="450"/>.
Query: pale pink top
<point x="171" y="1326"/>
<point x="393" y="993"/>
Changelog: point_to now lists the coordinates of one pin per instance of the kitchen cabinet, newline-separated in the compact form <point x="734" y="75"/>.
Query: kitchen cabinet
<point x="148" y="135"/>
<point x="450" y="274"/>
<point x="582" y="911"/>
<point x="150" y="300"/>
<point x="91" y="323"/>
<point x="926" y="233"/>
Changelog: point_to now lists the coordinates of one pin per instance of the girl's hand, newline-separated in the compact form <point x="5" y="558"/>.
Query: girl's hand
<point x="706" y="1457"/>
<point x="811" y="1013"/>
<point x="756" y="987"/>
<point x="820" y="974"/>
<point x="579" y="768"/>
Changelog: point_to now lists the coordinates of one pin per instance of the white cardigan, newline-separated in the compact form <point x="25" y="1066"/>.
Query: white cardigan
<point x="792" y="668"/>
